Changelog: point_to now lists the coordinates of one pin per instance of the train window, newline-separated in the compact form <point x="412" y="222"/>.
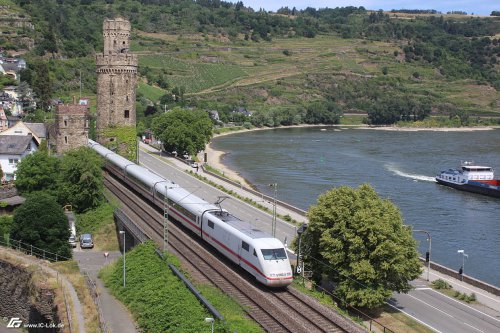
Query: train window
<point x="245" y="246"/>
<point x="254" y="253"/>
<point x="211" y="224"/>
<point x="271" y="254"/>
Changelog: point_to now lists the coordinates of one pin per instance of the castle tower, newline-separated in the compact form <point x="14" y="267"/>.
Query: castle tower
<point x="71" y="126"/>
<point x="116" y="79"/>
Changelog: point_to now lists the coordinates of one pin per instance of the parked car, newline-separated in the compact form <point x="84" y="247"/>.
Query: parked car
<point x="72" y="240"/>
<point x="86" y="241"/>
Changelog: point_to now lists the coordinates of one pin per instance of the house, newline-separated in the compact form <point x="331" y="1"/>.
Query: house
<point x="242" y="111"/>
<point x="13" y="148"/>
<point x="21" y="129"/>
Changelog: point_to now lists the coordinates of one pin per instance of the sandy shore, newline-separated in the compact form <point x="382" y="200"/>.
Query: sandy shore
<point x="215" y="158"/>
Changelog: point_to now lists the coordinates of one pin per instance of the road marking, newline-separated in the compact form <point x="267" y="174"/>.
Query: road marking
<point x="423" y="288"/>
<point x="468" y="306"/>
<point x="477" y="329"/>
<point x="465" y="287"/>
<point x="449" y="315"/>
<point x="414" y="318"/>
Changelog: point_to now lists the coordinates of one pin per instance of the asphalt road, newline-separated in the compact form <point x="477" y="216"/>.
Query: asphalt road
<point x="444" y="313"/>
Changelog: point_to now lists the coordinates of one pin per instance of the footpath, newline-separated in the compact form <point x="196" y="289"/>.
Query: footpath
<point x="115" y="315"/>
<point x="486" y="299"/>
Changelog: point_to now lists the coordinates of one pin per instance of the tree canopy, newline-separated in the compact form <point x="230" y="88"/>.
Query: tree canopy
<point x="75" y="178"/>
<point x="184" y="131"/>
<point x="358" y="241"/>
<point x="37" y="172"/>
<point x="81" y="179"/>
<point x="41" y="222"/>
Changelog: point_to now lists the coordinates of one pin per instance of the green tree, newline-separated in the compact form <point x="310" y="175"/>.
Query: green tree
<point x="36" y="172"/>
<point x="5" y="226"/>
<point x="183" y="130"/>
<point x="41" y="222"/>
<point x="81" y="179"/>
<point x="359" y="242"/>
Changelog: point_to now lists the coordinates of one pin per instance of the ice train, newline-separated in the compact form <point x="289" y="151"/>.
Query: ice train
<point x="254" y="250"/>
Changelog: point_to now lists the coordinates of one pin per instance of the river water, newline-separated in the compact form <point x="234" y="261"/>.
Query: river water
<point x="400" y="165"/>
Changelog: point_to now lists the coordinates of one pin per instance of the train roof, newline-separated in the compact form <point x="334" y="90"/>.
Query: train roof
<point x="244" y="227"/>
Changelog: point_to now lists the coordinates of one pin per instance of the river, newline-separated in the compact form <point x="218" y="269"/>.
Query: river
<point x="400" y="165"/>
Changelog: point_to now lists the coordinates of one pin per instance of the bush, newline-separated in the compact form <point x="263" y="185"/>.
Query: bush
<point x="441" y="284"/>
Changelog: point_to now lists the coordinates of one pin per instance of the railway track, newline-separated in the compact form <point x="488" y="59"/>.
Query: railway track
<point x="275" y="310"/>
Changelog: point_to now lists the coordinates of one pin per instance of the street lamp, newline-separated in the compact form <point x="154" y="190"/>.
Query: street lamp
<point x="273" y="226"/>
<point x="428" y="254"/>
<point x="464" y="255"/>
<point x="124" y="249"/>
<point x="300" y="231"/>
<point x="210" y="320"/>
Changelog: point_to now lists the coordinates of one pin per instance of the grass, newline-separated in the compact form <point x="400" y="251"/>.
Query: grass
<point x="100" y="223"/>
<point x="152" y="93"/>
<point x="160" y="302"/>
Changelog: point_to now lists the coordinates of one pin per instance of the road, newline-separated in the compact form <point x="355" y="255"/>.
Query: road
<point x="443" y="313"/>
<point x="431" y="308"/>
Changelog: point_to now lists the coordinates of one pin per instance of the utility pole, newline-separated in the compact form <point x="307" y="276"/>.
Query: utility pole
<point x="273" y="225"/>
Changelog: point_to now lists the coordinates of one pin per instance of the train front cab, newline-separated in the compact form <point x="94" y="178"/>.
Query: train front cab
<point x="274" y="263"/>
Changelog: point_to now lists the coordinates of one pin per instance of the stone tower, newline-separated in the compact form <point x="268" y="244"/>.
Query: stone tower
<point x="71" y="126"/>
<point x="116" y="79"/>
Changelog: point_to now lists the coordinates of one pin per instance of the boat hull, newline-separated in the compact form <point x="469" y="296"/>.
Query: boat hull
<point x="474" y="187"/>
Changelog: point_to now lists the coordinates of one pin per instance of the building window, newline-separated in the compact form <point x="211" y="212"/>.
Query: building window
<point x="126" y="114"/>
<point x="65" y="123"/>
<point x="245" y="246"/>
<point x="65" y="139"/>
<point x="13" y="160"/>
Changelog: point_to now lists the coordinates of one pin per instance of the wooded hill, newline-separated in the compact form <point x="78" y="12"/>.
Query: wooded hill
<point x="288" y="67"/>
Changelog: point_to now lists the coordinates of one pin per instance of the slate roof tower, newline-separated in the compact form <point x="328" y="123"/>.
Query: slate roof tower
<point x="116" y="79"/>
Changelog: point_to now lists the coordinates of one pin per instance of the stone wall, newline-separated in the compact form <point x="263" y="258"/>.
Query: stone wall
<point x="21" y="297"/>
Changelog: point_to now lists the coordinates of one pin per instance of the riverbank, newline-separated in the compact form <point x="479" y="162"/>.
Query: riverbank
<point x="215" y="158"/>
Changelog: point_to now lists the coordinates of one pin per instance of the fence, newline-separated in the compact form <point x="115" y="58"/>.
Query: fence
<point x="97" y="300"/>
<point x="33" y="250"/>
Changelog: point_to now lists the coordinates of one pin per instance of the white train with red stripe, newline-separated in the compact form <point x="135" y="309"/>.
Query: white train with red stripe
<point x="254" y="250"/>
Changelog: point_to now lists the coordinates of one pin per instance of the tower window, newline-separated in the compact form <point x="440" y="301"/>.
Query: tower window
<point x="65" y="139"/>
<point x="65" y="123"/>
<point x="126" y="114"/>
<point x="126" y="98"/>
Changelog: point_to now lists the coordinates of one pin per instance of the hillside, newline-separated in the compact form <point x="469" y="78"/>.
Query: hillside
<point x="292" y="67"/>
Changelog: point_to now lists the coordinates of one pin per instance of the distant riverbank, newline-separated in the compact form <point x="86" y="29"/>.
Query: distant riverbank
<point x="215" y="158"/>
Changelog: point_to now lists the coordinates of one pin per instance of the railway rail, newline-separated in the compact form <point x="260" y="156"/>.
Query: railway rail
<point x="275" y="310"/>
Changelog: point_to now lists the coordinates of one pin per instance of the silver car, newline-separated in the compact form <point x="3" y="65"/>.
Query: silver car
<point x="86" y="241"/>
<point x="72" y="240"/>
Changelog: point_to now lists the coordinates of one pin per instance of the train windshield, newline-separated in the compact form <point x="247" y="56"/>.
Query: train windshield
<point x="272" y="254"/>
